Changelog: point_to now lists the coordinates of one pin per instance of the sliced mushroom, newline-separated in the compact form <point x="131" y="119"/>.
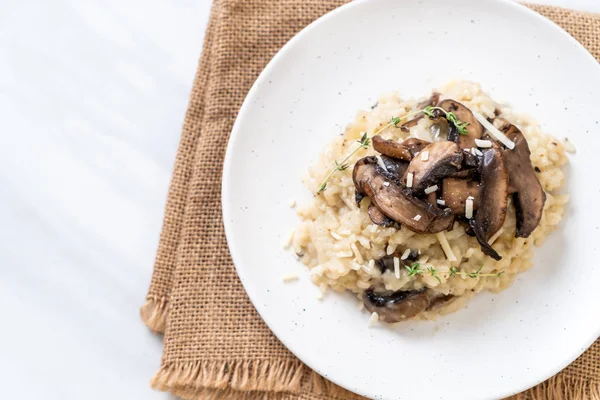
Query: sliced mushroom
<point x="396" y="306"/>
<point x="529" y="196"/>
<point x="474" y="128"/>
<point x="415" y="146"/>
<point x="391" y="148"/>
<point x="493" y="199"/>
<point x="379" y="218"/>
<point x="440" y="301"/>
<point x="470" y="160"/>
<point x="396" y="201"/>
<point x="395" y="167"/>
<point x="444" y="158"/>
<point x="456" y="191"/>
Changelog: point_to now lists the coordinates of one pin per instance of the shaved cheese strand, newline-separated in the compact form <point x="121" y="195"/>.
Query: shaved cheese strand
<point x="425" y="156"/>
<point x="417" y="217"/>
<point x="476" y="152"/>
<point x="431" y="189"/>
<point x="484" y="144"/>
<point x="397" y="267"/>
<point x="409" y="179"/>
<point x="493" y="131"/>
<point x="373" y="320"/>
<point x="380" y="162"/>
<point x="290" y="278"/>
<point x="405" y="254"/>
<point x="445" y="246"/>
<point x="469" y="207"/>
<point x="441" y="202"/>
<point x="495" y="236"/>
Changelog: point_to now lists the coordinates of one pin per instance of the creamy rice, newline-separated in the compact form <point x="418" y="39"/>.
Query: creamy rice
<point x="338" y="242"/>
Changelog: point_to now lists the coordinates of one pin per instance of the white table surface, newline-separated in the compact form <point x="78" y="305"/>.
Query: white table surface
<point x="92" y="98"/>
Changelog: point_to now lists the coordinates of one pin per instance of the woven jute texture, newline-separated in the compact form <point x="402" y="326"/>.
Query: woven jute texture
<point x="215" y="344"/>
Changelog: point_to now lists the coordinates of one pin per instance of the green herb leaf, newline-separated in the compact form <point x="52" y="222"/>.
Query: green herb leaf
<point x="428" y="111"/>
<point x="434" y="272"/>
<point x="453" y="271"/>
<point x="395" y="121"/>
<point x="322" y="187"/>
<point x="413" y="269"/>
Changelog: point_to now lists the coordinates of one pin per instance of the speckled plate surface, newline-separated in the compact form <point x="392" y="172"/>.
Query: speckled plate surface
<point x="501" y="343"/>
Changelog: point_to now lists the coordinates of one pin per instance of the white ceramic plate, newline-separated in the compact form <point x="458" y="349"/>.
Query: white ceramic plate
<point x="499" y="345"/>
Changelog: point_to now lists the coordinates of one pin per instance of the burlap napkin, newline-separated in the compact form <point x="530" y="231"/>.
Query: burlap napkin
<point x="215" y="344"/>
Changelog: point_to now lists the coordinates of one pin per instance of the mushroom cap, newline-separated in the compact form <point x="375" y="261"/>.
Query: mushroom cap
<point x="397" y="201"/>
<point x="493" y="198"/>
<point x="474" y="128"/>
<point x="396" y="306"/>
<point x="445" y="158"/>
<point x="528" y="195"/>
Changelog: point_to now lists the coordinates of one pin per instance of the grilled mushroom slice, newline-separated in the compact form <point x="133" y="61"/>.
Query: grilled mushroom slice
<point x="493" y="199"/>
<point x="396" y="306"/>
<point x="529" y="196"/>
<point x="379" y="218"/>
<point x="391" y="148"/>
<point x="474" y="128"/>
<point x="394" y="167"/>
<point x="396" y="201"/>
<point x="415" y="145"/>
<point x="444" y="158"/>
<point x="456" y="191"/>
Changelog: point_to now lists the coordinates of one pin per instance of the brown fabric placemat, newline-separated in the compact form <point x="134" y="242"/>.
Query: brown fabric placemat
<point x="215" y="344"/>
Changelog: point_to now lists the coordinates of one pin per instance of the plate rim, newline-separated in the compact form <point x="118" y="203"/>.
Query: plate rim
<point x="236" y="132"/>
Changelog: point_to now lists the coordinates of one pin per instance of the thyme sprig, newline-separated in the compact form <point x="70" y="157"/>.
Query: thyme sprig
<point x="461" y="126"/>
<point x="365" y="141"/>
<point x="415" y="269"/>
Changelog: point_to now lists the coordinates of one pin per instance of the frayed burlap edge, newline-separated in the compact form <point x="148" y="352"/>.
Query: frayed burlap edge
<point x="260" y="379"/>
<point x="154" y="314"/>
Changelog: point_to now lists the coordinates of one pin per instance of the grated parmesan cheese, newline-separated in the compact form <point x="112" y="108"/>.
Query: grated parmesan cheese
<point x="287" y="240"/>
<point x="569" y="147"/>
<point x="425" y="156"/>
<point x="476" y="152"/>
<point x="495" y="236"/>
<point x="386" y="183"/>
<point x="409" y="179"/>
<point x="484" y="144"/>
<point x="417" y="217"/>
<point x="374" y="319"/>
<point x="469" y="207"/>
<point x="405" y="254"/>
<point x="431" y="189"/>
<point x="493" y="131"/>
<point x="380" y="162"/>
<point x="445" y="246"/>
<point x="441" y="202"/>
<point x="397" y="267"/>
<point x="292" y="203"/>
<point x="290" y="278"/>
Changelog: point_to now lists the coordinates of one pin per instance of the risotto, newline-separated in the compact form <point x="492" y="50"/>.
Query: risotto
<point x="421" y="204"/>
